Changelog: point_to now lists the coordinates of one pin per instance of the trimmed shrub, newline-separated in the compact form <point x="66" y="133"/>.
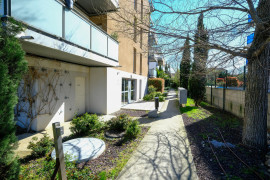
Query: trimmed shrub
<point x="86" y="124"/>
<point x="158" y="83"/>
<point x="119" y="123"/>
<point x="232" y="81"/>
<point x="133" y="130"/>
<point x="42" y="147"/>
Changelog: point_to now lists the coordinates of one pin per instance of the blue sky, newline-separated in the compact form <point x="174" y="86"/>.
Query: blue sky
<point x="177" y="25"/>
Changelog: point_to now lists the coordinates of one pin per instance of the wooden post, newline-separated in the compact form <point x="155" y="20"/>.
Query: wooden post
<point x="60" y="160"/>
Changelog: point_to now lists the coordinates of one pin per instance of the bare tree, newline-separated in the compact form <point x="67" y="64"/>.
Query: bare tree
<point x="227" y="24"/>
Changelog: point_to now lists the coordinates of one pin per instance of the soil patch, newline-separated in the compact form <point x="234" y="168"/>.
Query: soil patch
<point x="208" y="125"/>
<point x="108" y="159"/>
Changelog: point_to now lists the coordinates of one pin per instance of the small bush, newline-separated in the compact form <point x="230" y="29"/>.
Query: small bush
<point x="42" y="147"/>
<point x="161" y="99"/>
<point x="232" y="81"/>
<point x="158" y="94"/>
<point x="119" y="123"/>
<point x="147" y="97"/>
<point x="165" y="94"/>
<point x="133" y="130"/>
<point x="158" y="83"/>
<point x="151" y="89"/>
<point x="86" y="124"/>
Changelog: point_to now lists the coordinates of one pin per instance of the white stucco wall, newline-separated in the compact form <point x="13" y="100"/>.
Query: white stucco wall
<point x="101" y="93"/>
<point x="106" y="87"/>
<point x="97" y="91"/>
<point x="114" y="86"/>
<point x="59" y="103"/>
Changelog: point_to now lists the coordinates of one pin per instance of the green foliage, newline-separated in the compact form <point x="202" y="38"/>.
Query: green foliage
<point x="152" y="94"/>
<point x="151" y="89"/>
<point x="119" y="123"/>
<point x="192" y="111"/>
<point x="86" y="124"/>
<point x="161" y="99"/>
<point x="133" y="130"/>
<point x="158" y="94"/>
<point x="197" y="80"/>
<point x="158" y="83"/>
<point x="42" y="147"/>
<point x="43" y="169"/>
<point x="12" y="68"/>
<point x="148" y="97"/>
<point x="185" y="66"/>
<point x="165" y="94"/>
<point x="229" y="122"/>
<point x="115" y="35"/>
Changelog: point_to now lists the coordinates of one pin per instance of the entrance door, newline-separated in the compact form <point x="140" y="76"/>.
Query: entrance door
<point x="80" y="95"/>
<point x="128" y="91"/>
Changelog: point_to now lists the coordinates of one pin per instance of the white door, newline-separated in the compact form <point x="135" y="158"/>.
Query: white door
<point x="80" y="95"/>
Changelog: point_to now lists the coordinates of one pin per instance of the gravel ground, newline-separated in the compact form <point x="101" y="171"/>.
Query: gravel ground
<point x="200" y="129"/>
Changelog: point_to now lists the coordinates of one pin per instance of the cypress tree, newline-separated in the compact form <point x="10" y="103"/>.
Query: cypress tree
<point x="12" y="67"/>
<point x="197" y="80"/>
<point x="185" y="66"/>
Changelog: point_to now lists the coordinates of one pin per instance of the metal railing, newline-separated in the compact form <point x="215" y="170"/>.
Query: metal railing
<point x="54" y="18"/>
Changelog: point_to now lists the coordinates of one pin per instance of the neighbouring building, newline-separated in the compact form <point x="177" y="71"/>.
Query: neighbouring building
<point x="79" y="60"/>
<point x="154" y="57"/>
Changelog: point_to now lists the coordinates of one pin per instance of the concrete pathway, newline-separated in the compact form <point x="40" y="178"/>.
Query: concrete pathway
<point x="164" y="152"/>
<point x="143" y="105"/>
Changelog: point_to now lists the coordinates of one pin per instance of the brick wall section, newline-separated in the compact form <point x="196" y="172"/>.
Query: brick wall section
<point x="234" y="101"/>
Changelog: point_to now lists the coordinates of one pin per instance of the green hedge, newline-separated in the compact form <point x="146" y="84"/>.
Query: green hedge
<point x="158" y="83"/>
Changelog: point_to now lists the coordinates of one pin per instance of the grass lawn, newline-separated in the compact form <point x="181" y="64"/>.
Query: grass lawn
<point x="106" y="166"/>
<point x="207" y="123"/>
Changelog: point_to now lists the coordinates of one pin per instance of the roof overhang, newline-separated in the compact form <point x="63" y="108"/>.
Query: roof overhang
<point x="94" y="7"/>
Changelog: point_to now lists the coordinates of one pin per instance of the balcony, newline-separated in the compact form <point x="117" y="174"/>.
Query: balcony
<point x="96" y="7"/>
<point x="152" y="73"/>
<point x="64" y="34"/>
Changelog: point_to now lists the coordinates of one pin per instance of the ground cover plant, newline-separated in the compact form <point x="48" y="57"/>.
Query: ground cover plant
<point x="86" y="124"/>
<point x="106" y="166"/>
<point x="152" y="93"/>
<point x="206" y="123"/>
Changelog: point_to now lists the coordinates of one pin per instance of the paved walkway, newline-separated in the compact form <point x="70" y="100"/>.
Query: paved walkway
<point x="143" y="105"/>
<point x="164" y="152"/>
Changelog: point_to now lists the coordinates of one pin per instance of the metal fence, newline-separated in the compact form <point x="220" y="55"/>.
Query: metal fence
<point x="234" y="78"/>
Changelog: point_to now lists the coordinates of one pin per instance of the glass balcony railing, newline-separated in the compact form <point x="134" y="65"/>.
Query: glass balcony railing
<point x="52" y="17"/>
<point x="152" y="73"/>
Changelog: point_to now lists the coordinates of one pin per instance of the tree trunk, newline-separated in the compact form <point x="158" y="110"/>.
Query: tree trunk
<point x="256" y="101"/>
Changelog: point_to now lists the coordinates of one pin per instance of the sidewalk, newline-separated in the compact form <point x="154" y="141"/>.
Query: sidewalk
<point x="164" y="152"/>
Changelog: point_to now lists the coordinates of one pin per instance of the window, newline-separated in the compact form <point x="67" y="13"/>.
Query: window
<point x="134" y="60"/>
<point x="141" y="64"/>
<point x="135" y="29"/>
<point x="141" y="37"/>
<point x="135" y="5"/>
